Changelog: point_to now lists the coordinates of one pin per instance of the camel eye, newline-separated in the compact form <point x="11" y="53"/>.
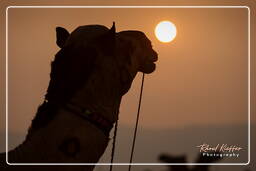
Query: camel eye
<point x="91" y="52"/>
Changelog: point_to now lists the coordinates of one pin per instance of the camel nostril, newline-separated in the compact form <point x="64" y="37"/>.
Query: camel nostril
<point x="155" y="58"/>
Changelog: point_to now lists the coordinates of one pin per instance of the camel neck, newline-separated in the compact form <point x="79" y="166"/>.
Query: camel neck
<point x="101" y="94"/>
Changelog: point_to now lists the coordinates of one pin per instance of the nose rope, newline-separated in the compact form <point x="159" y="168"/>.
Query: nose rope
<point x="135" y="130"/>
<point x="137" y="121"/>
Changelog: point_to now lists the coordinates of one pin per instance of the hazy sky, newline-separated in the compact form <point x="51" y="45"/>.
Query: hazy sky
<point x="201" y="77"/>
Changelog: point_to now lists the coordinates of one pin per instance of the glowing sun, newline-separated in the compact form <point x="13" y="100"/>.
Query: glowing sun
<point x="165" y="31"/>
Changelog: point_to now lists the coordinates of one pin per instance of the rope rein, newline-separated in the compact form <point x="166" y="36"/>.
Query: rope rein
<point x="113" y="146"/>
<point x="135" y="130"/>
<point x="137" y="121"/>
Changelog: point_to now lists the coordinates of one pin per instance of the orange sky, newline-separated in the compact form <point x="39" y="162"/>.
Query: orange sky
<point x="201" y="76"/>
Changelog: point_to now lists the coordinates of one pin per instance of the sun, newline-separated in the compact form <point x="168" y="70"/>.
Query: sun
<point x="165" y="31"/>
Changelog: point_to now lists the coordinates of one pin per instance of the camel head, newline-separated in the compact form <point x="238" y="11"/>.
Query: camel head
<point x="135" y="54"/>
<point x="138" y="48"/>
<point x="97" y="49"/>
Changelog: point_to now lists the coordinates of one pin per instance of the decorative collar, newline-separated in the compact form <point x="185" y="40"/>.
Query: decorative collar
<point x="93" y="117"/>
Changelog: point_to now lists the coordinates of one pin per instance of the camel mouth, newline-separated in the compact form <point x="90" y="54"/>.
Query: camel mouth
<point x="152" y="58"/>
<point x="148" y="67"/>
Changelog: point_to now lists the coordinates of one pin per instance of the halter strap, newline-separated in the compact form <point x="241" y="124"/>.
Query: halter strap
<point x="93" y="117"/>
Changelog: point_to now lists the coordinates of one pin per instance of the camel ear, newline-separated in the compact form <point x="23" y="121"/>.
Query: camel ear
<point x="111" y="35"/>
<point x="113" y="29"/>
<point x="62" y="35"/>
<point x="108" y="41"/>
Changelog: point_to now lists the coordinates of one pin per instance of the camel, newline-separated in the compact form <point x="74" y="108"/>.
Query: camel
<point x="93" y="69"/>
<point x="183" y="159"/>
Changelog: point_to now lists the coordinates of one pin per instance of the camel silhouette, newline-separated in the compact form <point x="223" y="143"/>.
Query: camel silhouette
<point x="183" y="159"/>
<point x="93" y="69"/>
